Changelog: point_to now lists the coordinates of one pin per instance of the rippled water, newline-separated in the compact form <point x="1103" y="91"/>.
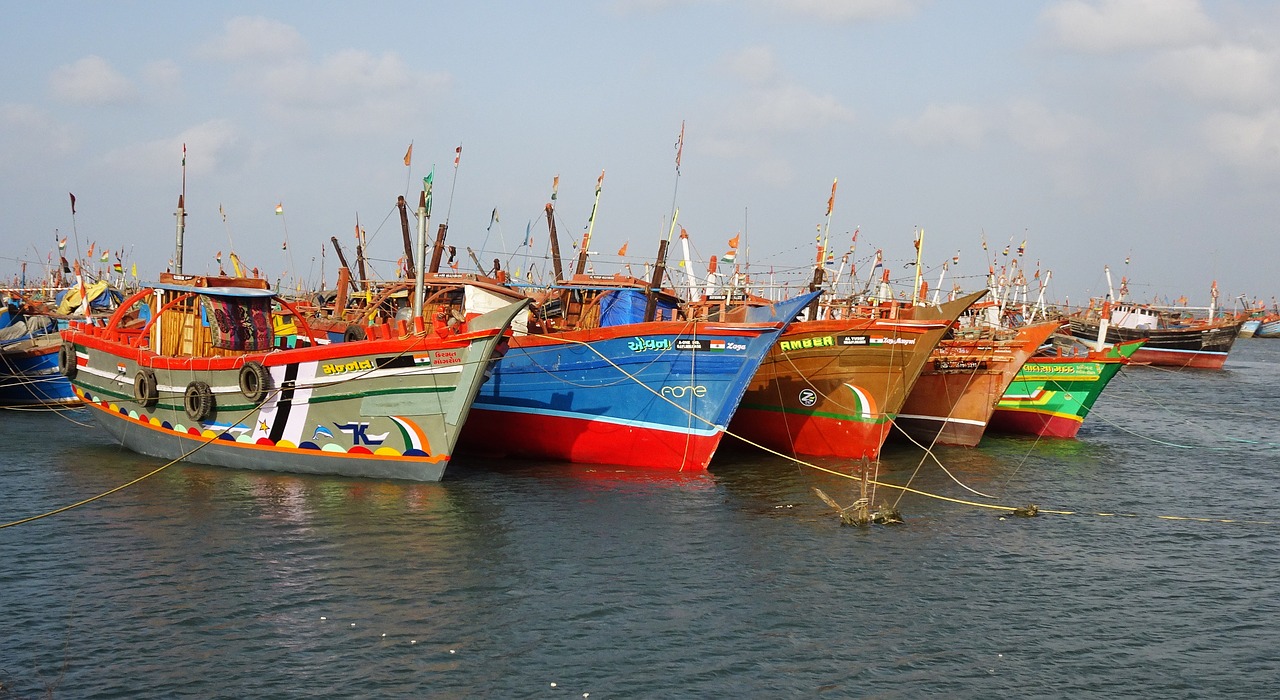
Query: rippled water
<point x="506" y="579"/>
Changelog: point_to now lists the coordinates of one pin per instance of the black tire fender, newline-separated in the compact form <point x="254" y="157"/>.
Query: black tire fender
<point x="145" y="389"/>
<point x="255" y="381"/>
<point x="198" y="401"/>
<point x="67" y="359"/>
<point x="354" y="332"/>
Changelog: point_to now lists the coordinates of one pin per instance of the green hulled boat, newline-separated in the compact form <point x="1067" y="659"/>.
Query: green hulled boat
<point x="1052" y="394"/>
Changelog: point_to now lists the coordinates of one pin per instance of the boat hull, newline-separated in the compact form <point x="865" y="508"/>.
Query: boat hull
<point x="1270" y="329"/>
<point x="1050" y="397"/>
<point x="1201" y="348"/>
<point x="956" y="394"/>
<point x="655" y="395"/>
<point x="29" y="376"/>
<point x="385" y="408"/>
<point x="832" y="388"/>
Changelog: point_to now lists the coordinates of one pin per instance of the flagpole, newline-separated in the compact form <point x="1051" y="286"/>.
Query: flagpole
<point x="181" y="214"/>
<point x="591" y="225"/>
<point x="675" y="211"/>
<point x="915" y="289"/>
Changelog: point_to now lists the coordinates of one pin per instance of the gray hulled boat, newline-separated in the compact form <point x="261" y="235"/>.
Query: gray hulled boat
<point x="221" y="371"/>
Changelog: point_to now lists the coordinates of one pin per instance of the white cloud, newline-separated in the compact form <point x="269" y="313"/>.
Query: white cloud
<point x="248" y="39"/>
<point x="1106" y="26"/>
<point x="1251" y="141"/>
<point x="1030" y="125"/>
<point x="846" y="10"/>
<point x="208" y="145"/>
<point x="164" y="74"/>
<point x="951" y="124"/>
<point x="350" y="92"/>
<point x="90" y="81"/>
<point x="1037" y="129"/>
<point x="755" y="65"/>
<point x="1236" y="73"/>
<point x="29" y="134"/>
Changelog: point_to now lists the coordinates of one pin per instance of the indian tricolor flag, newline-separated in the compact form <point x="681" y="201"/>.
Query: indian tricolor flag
<point x="422" y="359"/>
<point x="717" y="345"/>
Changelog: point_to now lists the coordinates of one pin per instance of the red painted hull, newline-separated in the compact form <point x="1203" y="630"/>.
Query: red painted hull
<point x="1180" y="358"/>
<point x="587" y="441"/>
<point x="811" y="435"/>
<point x="1032" y="423"/>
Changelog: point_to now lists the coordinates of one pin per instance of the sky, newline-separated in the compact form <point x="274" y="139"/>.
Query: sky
<point x="1141" y="135"/>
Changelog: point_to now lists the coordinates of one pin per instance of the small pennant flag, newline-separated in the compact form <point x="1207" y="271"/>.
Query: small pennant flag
<point x="426" y="187"/>
<point x="90" y="253"/>
<point x="831" y="201"/>
<point x="1126" y="259"/>
<point x="679" y="146"/>
<point x="62" y="244"/>
<point x="133" y="270"/>
<point x="528" y="233"/>
<point x="555" y="186"/>
<point x="73" y="204"/>
<point x="119" y="269"/>
<point x="280" y="209"/>
<point x="408" y="155"/>
<point x="457" y="156"/>
<point x="733" y="242"/>
<point x="1022" y="248"/>
<point x="1006" y="250"/>
<point x="600" y="182"/>
<point x="493" y="218"/>
<point x="106" y="256"/>
<point x="730" y="256"/>
<point x="623" y="250"/>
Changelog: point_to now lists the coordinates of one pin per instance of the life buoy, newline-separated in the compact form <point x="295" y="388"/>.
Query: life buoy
<point x="198" y="401"/>
<point x="145" y="389"/>
<point x="354" y="332"/>
<point x="255" y="381"/>
<point x="67" y="360"/>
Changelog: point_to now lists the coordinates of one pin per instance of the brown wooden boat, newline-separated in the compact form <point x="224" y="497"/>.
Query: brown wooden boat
<point x="833" y="386"/>
<point x="952" y="401"/>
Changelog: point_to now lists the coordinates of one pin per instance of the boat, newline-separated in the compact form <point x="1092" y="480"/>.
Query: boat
<point x="1250" y="327"/>
<point x="1055" y="390"/>
<point x="1175" y="336"/>
<point x="832" y="386"/>
<point x="1267" y="328"/>
<point x="965" y="377"/>
<point x="222" y="371"/>
<point x="29" y="376"/>
<point x="1174" y="339"/>
<point x="615" y="372"/>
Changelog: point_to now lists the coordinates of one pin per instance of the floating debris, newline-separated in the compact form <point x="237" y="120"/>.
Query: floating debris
<point x="860" y="514"/>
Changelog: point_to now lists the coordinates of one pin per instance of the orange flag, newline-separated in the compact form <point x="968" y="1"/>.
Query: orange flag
<point x="408" y="155"/>
<point x="733" y="242"/>
<point x="623" y="250"/>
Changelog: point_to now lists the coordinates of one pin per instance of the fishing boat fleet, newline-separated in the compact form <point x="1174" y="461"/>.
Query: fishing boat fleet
<point x="393" y="380"/>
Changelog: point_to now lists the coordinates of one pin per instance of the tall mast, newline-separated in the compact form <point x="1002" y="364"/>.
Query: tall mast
<point x="591" y="225"/>
<point x="181" y="214"/>
<point x="404" y="232"/>
<point x="419" y="284"/>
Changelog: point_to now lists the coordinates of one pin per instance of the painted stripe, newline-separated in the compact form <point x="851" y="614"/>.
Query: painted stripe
<point x="939" y="419"/>
<point x="584" y="418"/>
